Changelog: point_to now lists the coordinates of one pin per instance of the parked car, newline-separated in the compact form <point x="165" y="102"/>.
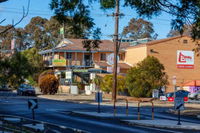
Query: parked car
<point x="26" y="90"/>
<point x="195" y="95"/>
<point x="4" y="88"/>
<point x="183" y="93"/>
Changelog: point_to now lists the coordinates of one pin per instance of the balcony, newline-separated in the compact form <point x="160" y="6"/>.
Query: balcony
<point x="68" y="63"/>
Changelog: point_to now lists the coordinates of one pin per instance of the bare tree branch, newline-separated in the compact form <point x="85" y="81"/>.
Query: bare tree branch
<point x="2" y="21"/>
<point x="14" y="24"/>
<point x="3" y="1"/>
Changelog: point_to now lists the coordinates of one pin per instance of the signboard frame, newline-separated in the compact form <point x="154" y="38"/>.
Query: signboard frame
<point x="185" y="59"/>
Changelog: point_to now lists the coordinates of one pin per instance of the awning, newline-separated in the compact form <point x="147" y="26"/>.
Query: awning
<point x="95" y="70"/>
<point x="192" y="83"/>
<point x="80" y="70"/>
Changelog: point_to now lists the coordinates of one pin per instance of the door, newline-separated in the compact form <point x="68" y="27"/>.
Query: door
<point x="88" y="60"/>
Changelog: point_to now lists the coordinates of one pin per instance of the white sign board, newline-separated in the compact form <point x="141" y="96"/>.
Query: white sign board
<point x="163" y="98"/>
<point x="110" y="59"/>
<point x="179" y="103"/>
<point x="185" y="59"/>
<point x="110" y="69"/>
<point x="155" y="93"/>
<point x="68" y="75"/>
<point x="92" y="75"/>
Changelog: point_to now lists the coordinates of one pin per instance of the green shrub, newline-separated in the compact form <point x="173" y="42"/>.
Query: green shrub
<point x="49" y="84"/>
<point x="107" y="83"/>
<point x="146" y="76"/>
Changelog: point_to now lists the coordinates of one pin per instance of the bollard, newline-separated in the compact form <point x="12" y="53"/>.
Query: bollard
<point x="21" y="125"/>
<point x="114" y="108"/>
<point x="152" y="111"/>
<point x="179" y="118"/>
<point x="126" y="107"/>
<point x="138" y="110"/>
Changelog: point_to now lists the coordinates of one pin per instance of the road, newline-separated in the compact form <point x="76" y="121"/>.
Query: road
<point x="59" y="112"/>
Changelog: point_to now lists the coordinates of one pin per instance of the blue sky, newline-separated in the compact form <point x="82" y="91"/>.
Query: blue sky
<point x="12" y="10"/>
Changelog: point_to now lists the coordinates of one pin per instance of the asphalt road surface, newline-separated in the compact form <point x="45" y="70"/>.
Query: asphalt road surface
<point x="59" y="112"/>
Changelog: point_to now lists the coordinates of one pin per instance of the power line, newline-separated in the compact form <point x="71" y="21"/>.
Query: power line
<point x="21" y="9"/>
<point x="30" y="13"/>
<point x="46" y="13"/>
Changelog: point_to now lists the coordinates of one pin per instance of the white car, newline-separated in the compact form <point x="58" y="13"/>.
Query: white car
<point x="195" y="95"/>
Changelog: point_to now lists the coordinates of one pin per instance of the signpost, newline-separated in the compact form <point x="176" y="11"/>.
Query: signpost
<point x="179" y="105"/>
<point x="98" y="98"/>
<point x="33" y="104"/>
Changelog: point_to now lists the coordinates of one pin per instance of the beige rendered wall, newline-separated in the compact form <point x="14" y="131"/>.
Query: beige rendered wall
<point x="166" y="52"/>
<point x="135" y="54"/>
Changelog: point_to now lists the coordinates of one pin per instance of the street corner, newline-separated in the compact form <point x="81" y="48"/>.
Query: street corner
<point x="167" y="124"/>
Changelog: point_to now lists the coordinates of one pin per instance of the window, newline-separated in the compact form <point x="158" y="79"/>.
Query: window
<point x="185" y="41"/>
<point x="69" y="55"/>
<point x="62" y="74"/>
<point x="121" y="57"/>
<point x="103" y="57"/>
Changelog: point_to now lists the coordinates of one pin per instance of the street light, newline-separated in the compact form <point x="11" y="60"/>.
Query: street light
<point x="174" y="84"/>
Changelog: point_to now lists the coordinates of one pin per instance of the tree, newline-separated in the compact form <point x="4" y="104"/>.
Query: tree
<point x="18" y="34"/>
<point x="186" y="31"/>
<point x="138" y="29"/>
<point x="97" y="81"/>
<point x="36" y="33"/>
<point x="49" y="84"/>
<point x="4" y="71"/>
<point x="75" y="14"/>
<point x="3" y="1"/>
<point x="106" y="84"/>
<point x="146" y="76"/>
<point x="14" y="70"/>
<point x="186" y="12"/>
<point x="36" y="62"/>
<point x="25" y="14"/>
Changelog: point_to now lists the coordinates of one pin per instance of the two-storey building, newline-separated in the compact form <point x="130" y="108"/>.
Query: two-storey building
<point x="73" y="62"/>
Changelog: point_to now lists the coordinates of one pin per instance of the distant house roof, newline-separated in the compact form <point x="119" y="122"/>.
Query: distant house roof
<point x="157" y="41"/>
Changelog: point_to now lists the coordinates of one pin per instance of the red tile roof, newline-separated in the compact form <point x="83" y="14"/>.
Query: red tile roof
<point x="106" y="45"/>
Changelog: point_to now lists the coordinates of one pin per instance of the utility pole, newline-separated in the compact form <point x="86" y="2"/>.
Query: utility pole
<point x="116" y="41"/>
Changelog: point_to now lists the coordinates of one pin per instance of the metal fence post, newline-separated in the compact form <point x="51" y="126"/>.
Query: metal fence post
<point x="139" y="110"/>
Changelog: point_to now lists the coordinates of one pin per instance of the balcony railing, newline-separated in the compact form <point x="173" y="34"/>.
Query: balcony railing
<point x="70" y="63"/>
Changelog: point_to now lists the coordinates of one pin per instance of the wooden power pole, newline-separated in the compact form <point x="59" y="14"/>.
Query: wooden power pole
<point x="116" y="41"/>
